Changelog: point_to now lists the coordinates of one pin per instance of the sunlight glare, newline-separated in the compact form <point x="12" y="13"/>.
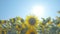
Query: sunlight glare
<point x="38" y="11"/>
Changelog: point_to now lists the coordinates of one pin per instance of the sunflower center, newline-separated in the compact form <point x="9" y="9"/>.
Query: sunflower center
<point x="32" y="21"/>
<point x="22" y="20"/>
<point x="32" y="33"/>
<point x="19" y="26"/>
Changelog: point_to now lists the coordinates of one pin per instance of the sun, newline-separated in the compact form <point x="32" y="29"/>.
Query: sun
<point x="38" y="10"/>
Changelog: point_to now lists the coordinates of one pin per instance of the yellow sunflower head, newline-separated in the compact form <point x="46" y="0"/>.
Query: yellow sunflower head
<point x="49" y="23"/>
<point x="18" y="27"/>
<point x="12" y="20"/>
<point x="19" y="19"/>
<point x="31" y="21"/>
<point x="58" y="25"/>
<point x="31" y="31"/>
<point x="23" y="23"/>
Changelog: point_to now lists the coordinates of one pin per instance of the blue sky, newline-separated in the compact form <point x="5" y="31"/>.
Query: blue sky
<point x="22" y="8"/>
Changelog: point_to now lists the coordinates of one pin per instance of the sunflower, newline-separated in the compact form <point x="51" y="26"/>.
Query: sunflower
<point x="49" y="23"/>
<point x="4" y="26"/>
<point x="19" y="21"/>
<point x="12" y="20"/>
<point x="23" y="23"/>
<point x="18" y="27"/>
<point x="58" y="25"/>
<point x="31" y="31"/>
<point x="18" y="18"/>
<point x="22" y="20"/>
<point x="31" y="21"/>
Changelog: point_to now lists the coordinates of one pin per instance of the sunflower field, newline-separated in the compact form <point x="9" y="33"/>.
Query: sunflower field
<point x="30" y="25"/>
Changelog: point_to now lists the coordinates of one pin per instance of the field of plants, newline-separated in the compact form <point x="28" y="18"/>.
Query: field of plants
<point x="30" y="25"/>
